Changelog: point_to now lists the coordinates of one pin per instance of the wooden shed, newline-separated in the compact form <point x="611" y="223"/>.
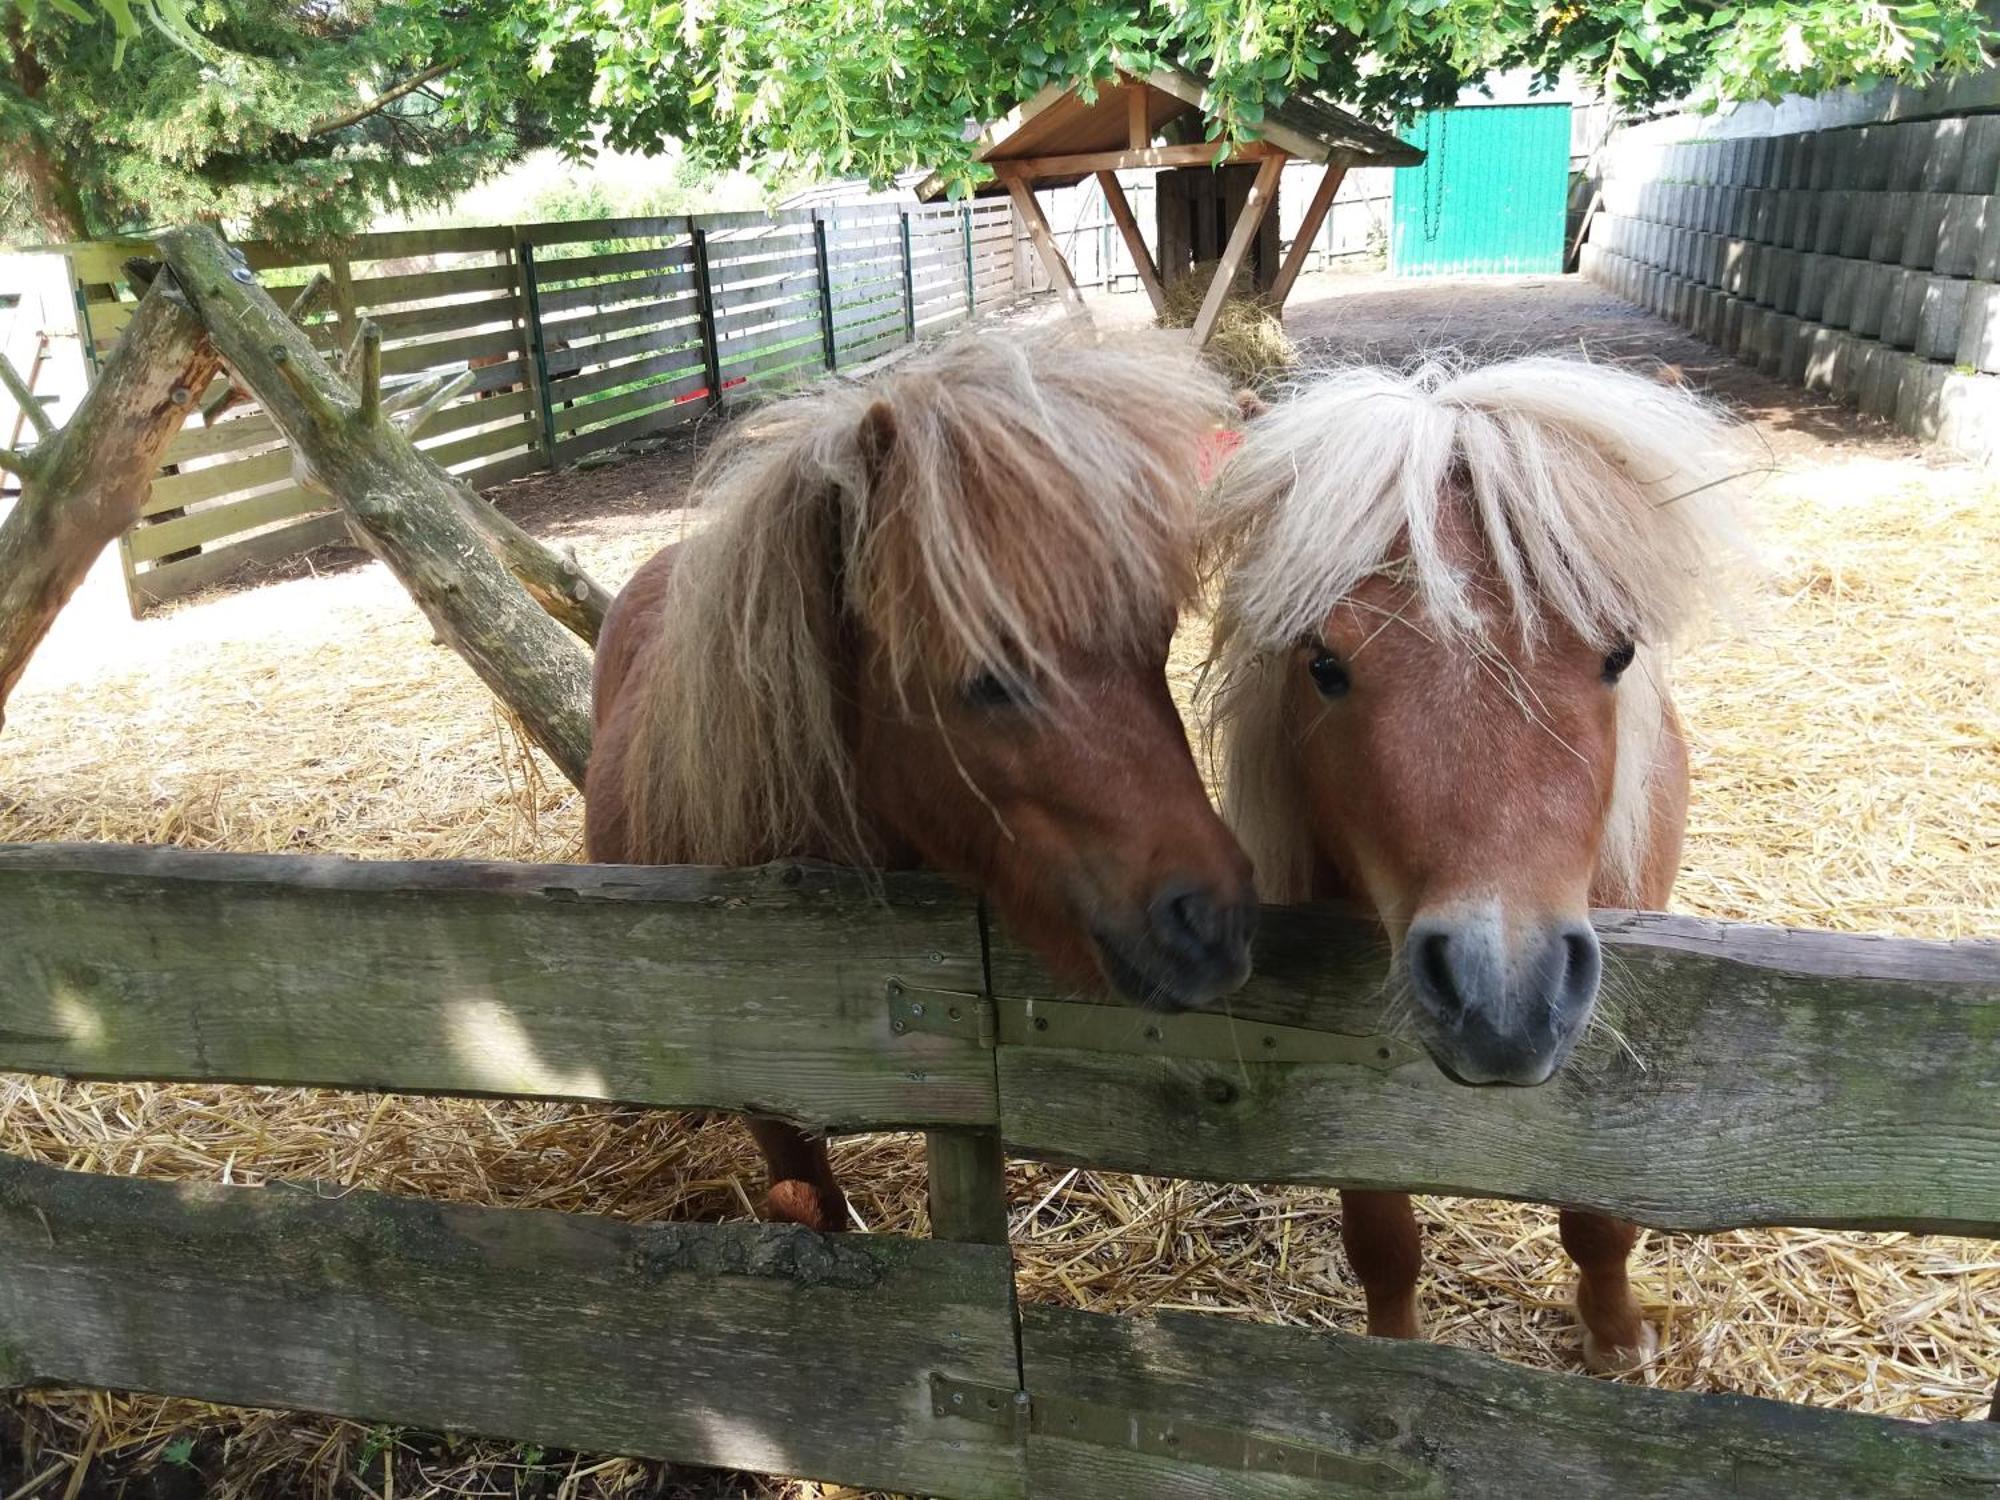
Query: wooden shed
<point x="1218" y="203"/>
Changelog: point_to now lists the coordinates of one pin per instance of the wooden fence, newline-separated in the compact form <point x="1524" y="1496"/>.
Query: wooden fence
<point x="1764" y="1077"/>
<point x="581" y="337"/>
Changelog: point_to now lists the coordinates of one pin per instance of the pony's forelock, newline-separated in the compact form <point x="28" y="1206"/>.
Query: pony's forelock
<point x="1601" y="498"/>
<point x="982" y="507"/>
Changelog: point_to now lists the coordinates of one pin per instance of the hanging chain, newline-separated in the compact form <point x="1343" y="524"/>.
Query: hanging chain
<point x="1437" y="124"/>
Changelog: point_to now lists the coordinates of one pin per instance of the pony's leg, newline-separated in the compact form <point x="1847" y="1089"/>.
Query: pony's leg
<point x="1615" y="1335"/>
<point x="803" y="1189"/>
<point x="1379" y="1233"/>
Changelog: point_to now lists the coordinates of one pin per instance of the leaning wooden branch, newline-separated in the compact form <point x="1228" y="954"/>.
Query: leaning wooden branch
<point x="403" y="508"/>
<point x="85" y="484"/>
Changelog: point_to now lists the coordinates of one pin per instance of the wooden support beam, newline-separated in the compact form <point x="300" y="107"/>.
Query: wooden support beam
<point x="1295" y="258"/>
<point x="1262" y="192"/>
<point x="1135" y="242"/>
<point x="1138" y="128"/>
<point x="1044" y="240"/>
<point x="1201" y="154"/>
<point x="968" y="1186"/>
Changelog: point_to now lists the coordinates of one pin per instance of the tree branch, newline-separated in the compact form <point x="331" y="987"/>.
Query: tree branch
<point x="381" y="101"/>
<point x="18" y="389"/>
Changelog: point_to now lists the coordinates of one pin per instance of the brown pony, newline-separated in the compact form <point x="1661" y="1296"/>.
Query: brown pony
<point x="928" y="625"/>
<point x="1442" y="698"/>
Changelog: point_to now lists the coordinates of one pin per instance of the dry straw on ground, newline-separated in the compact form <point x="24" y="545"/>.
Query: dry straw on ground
<point x="1846" y="775"/>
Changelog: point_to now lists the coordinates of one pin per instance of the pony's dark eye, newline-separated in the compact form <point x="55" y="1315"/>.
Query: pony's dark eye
<point x="1618" y="660"/>
<point x="1329" y="675"/>
<point x="989" y="690"/>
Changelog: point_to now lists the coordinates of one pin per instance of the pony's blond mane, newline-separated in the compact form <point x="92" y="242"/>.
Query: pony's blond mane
<point x="1602" y="499"/>
<point x="981" y="508"/>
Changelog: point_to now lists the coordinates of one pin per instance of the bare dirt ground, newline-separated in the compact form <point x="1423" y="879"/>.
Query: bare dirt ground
<point x="1846" y="775"/>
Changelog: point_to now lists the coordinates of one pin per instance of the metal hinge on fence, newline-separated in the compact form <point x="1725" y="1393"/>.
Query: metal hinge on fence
<point x="1082" y="1027"/>
<point x="940" y="1013"/>
<point x="1211" y="1445"/>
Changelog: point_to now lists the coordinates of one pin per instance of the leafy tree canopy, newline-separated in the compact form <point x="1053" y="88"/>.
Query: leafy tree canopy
<point x="876" y="86"/>
<point x="291" y="117"/>
<point x="301" y="117"/>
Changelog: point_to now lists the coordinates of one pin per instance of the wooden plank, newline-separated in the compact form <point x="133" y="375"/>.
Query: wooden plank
<point x="176" y="580"/>
<point x="751" y="338"/>
<point x="769" y="315"/>
<point x="660" y="419"/>
<point x="608" y="268"/>
<point x="578" y="331"/>
<point x="515" y="434"/>
<point x="497" y="472"/>
<point x="1263" y="192"/>
<point x="174" y="491"/>
<point x="444" y="317"/>
<point x="454" y="352"/>
<point x="240" y="434"/>
<point x="573" y="388"/>
<point x="803" y="285"/>
<point x="760" y="989"/>
<point x="798" y="350"/>
<point x="1128" y="230"/>
<point x="1082" y="164"/>
<point x="1138" y="127"/>
<point x="1762" y="1077"/>
<point x="761" y="258"/>
<point x="1316" y="210"/>
<point x="214" y="522"/>
<point x="666" y="286"/>
<point x="1045" y="243"/>
<point x="1202" y="1407"/>
<point x="604" y="353"/>
<point x="752" y="1346"/>
<point x="571" y="419"/>
<point x="782" y="219"/>
<point x="372" y="292"/>
<point x="862" y="350"/>
<point x="603" y="229"/>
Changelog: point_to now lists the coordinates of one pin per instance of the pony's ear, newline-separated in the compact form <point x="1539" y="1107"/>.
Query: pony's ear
<point x="1249" y="405"/>
<point x="877" y="439"/>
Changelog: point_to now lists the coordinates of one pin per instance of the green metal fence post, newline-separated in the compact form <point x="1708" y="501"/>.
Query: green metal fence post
<point x="711" y="356"/>
<point x="971" y="283"/>
<point x="524" y="258"/>
<point x="830" y="345"/>
<point x="909" y="284"/>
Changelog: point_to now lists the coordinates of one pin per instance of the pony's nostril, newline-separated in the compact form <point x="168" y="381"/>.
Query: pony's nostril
<point x="1193" y="925"/>
<point x="1583" y="966"/>
<point x="1431" y="959"/>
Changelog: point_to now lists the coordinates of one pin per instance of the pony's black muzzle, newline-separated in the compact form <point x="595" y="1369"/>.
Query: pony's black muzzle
<point x="1195" y="948"/>
<point x="1496" y="1012"/>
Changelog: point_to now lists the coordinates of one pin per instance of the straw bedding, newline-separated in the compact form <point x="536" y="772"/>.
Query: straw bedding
<point x="1847" y="775"/>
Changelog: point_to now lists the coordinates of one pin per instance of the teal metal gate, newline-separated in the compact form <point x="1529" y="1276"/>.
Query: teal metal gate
<point x="1491" y="195"/>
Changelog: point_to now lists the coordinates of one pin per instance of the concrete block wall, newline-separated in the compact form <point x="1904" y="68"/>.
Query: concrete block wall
<point x="1862" y="262"/>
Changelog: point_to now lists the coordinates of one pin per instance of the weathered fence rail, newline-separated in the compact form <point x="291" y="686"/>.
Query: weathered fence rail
<point x="581" y="336"/>
<point x="1765" y="1077"/>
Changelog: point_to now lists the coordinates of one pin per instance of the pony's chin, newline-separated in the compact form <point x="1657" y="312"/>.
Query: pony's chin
<point x="1134" y="972"/>
<point x="1457" y="1072"/>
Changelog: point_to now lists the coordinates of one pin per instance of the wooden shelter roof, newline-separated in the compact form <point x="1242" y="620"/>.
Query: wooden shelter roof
<point x="1058" y="123"/>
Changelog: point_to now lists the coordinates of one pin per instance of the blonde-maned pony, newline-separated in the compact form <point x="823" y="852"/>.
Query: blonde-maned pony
<point x="928" y="624"/>
<point x="1446" y="603"/>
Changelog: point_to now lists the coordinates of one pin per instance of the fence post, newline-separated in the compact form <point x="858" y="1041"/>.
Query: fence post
<point x="711" y="356"/>
<point x="971" y="281"/>
<point x="909" y="285"/>
<point x="830" y="344"/>
<point x="538" y="353"/>
<point x="968" y="1186"/>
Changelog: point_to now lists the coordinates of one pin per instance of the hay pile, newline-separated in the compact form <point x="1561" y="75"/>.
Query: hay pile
<point x="1249" y="344"/>
<point x="1847" y="773"/>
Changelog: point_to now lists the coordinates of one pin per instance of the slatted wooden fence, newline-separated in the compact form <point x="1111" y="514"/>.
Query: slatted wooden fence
<point x="581" y="337"/>
<point x="1763" y="1077"/>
